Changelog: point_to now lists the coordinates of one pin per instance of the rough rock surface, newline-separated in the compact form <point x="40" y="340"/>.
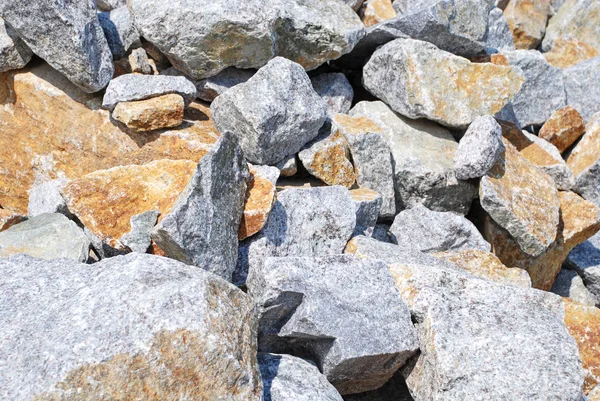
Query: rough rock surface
<point x="569" y="284"/>
<point x="209" y="88"/>
<point x="119" y="31"/>
<point x="563" y="128"/>
<point x="342" y="311"/>
<point x="584" y="162"/>
<point x="527" y="20"/>
<point x="368" y="205"/>
<point x="14" y="53"/>
<point x="577" y="19"/>
<point x="288" y="166"/>
<point x="139" y="62"/>
<point x="111" y="330"/>
<point x="47" y="236"/>
<point x="569" y="52"/>
<point x="582" y="85"/>
<point x="585" y="260"/>
<point x="9" y="218"/>
<point x="273" y="114"/>
<point x="499" y="36"/>
<point x="335" y="89"/>
<point x="429" y="231"/>
<point x="419" y="80"/>
<point x="202" y="227"/>
<point x="373" y="12"/>
<point x="45" y="197"/>
<point x="139" y="238"/>
<point x="288" y="378"/>
<point x="260" y="197"/>
<point x="479" y="149"/>
<point x="108" y="5"/>
<point x="77" y="49"/>
<point x="151" y="114"/>
<point x="371" y="157"/>
<point x="423" y="160"/>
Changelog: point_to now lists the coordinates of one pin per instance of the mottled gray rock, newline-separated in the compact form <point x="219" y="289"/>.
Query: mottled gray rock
<point x="429" y="231"/>
<point x="269" y="172"/>
<point x="46" y="236"/>
<point x="568" y="284"/>
<point x="119" y="31"/>
<point x="113" y="329"/>
<point x="582" y="85"/>
<point x="381" y="232"/>
<point x="45" y="197"/>
<point x="412" y="6"/>
<point x="273" y="114"/>
<point x="202" y="227"/>
<point x="210" y="88"/>
<point x="558" y="171"/>
<point x="355" y="4"/>
<point x="343" y="312"/>
<point x="109" y="5"/>
<point x="14" y="53"/>
<point x="367" y="204"/>
<point x="423" y="158"/>
<point x="584" y="161"/>
<point x="77" y="48"/>
<point x="288" y="166"/>
<point x="130" y="87"/>
<point x="585" y="260"/>
<point x="578" y="20"/>
<point x="139" y="238"/>
<point x="139" y="62"/>
<point x="288" y="378"/>
<point x="479" y="149"/>
<point x="543" y="90"/>
<point x="335" y="89"/>
<point x="499" y="35"/>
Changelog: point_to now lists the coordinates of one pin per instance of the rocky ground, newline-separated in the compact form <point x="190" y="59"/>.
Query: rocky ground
<point x="289" y="200"/>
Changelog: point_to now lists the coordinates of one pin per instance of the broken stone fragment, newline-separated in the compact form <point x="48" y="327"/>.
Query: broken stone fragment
<point x="139" y="238"/>
<point x="499" y="36"/>
<point x="119" y="31"/>
<point x="584" y="162"/>
<point x="527" y="20"/>
<point x="14" y="53"/>
<point x="368" y="205"/>
<point x="288" y="166"/>
<point x="45" y="197"/>
<point x="576" y="19"/>
<point x="373" y="12"/>
<point x="139" y="63"/>
<point x="585" y="260"/>
<point x="479" y="149"/>
<point x="260" y="197"/>
<point x="563" y="128"/>
<point x="147" y="115"/>
<point x="582" y="86"/>
<point x="112" y="329"/>
<point x="568" y="284"/>
<point x="335" y="89"/>
<point x="358" y="341"/>
<point x="569" y="52"/>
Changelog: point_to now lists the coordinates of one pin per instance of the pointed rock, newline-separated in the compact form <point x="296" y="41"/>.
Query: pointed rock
<point x="335" y="89"/>
<point x="14" y="53"/>
<point x="563" y="128"/>
<point x="568" y="284"/>
<point x="527" y="20"/>
<point x="260" y="197"/>
<point x="479" y="149"/>
<point x="582" y="85"/>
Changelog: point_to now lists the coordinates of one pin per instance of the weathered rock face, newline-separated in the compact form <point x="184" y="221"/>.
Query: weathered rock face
<point x="202" y="227"/>
<point x="139" y="61"/>
<point x="585" y="260"/>
<point x="209" y="88"/>
<point x="423" y="160"/>
<point x="584" y="162"/>
<point x="8" y="218"/>
<point x="335" y="89"/>
<point x="576" y="19"/>
<point x="260" y="197"/>
<point x="47" y="236"/>
<point x="563" y="128"/>
<point x="582" y="85"/>
<point x="14" y="53"/>
<point x="45" y="197"/>
<point x="523" y="200"/>
<point x="112" y="330"/>
<point x="77" y="49"/>
<point x="358" y="341"/>
<point x="273" y="114"/>
<point x="373" y="12"/>
<point x="288" y="378"/>
<point x="367" y="204"/>
<point x="479" y="149"/>
<point x="417" y="80"/>
<point x="568" y="52"/>
<point x="579" y="220"/>
<point x="429" y="231"/>
<point x="568" y="284"/>
<point x="146" y="115"/>
<point x="527" y="20"/>
<point x="119" y="31"/>
<point x="371" y="156"/>
<point x="394" y="390"/>
<point x="499" y="35"/>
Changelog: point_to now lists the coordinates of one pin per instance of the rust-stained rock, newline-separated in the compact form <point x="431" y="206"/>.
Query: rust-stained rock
<point x="563" y="128"/>
<point x="527" y="20"/>
<point x="583" y="323"/>
<point x="375" y="11"/>
<point x="9" y="218"/>
<point x="584" y="162"/>
<point x="147" y="115"/>
<point x="486" y="265"/>
<point x="579" y="220"/>
<point x="260" y="197"/>
<point x="570" y="51"/>
<point x="578" y="19"/>
<point x="106" y="200"/>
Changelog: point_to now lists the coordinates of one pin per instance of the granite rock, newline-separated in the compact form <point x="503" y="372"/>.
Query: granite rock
<point x="14" y="53"/>
<point x="209" y="88"/>
<point x="368" y="205"/>
<point x="335" y="89"/>
<point x="479" y="149"/>
<point x="374" y="12"/>
<point x="119" y="31"/>
<point x="160" y="112"/>
<point x="563" y="128"/>
<point x="582" y="85"/>
<point x="585" y="260"/>
<point x="568" y="284"/>
<point x="260" y="197"/>
<point x="569" y="51"/>
<point x="45" y="197"/>
<point x="578" y="19"/>
<point x="139" y="62"/>
<point x="499" y="36"/>
<point x="139" y="238"/>
<point x="584" y="162"/>
<point x="527" y="20"/>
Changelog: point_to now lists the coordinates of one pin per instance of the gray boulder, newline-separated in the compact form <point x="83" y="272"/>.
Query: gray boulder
<point x="47" y="236"/>
<point x="120" y="33"/>
<point x="45" y="197"/>
<point x="130" y="87"/>
<point x="343" y="312"/>
<point x="582" y="84"/>
<point x="568" y="284"/>
<point x="202" y="227"/>
<point x="129" y="327"/>
<point x="499" y="35"/>
<point x="77" y="48"/>
<point x="273" y="114"/>
<point x="367" y="204"/>
<point x="423" y="160"/>
<point x="479" y="149"/>
<point x="429" y="231"/>
<point x="585" y="260"/>
<point x="288" y="378"/>
<point x="335" y="89"/>
<point x="14" y="53"/>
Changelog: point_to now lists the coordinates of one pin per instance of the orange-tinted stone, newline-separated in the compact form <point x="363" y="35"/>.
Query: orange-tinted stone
<point x="527" y="20"/>
<point x="570" y="51"/>
<point x="375" y="11"/>
<point x="9" y="218"/>
<point x="328" y="160"/>
<point x="260" y="197"/>
<point x="563" y="128"/>
<point x="151" y="114"/>
<point x="587" y="152"/>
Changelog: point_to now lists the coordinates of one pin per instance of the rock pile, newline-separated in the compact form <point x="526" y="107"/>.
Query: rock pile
<point x="341" y="200"/>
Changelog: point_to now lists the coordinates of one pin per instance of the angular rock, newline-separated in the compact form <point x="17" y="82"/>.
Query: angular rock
<point x="139" y="238"/>
<point x="260" y="197"/>
<point x="527" y="20"/>
<point x="429" y="231"/>
<point x="578" y="19"/>
<point x="45" y="197"/>
<point x="108" y="5"/>
<point x="14" y="53"/>
<point x="371" y="157"/>
<point x="499" y="35"/>
<point x="139" y="63"/>
<point x="579" y="221"/>
<point x="584" y="162"/>
<point x="335" y="89"/>
<point x="77" y="49"/>
<point x="273" y="114"/>
<point x="479" y="149"/>
<point x="202" y="227"/>
<point x="151" y="114"/>
<point x="355" y="4"/>
<point x="563" y="128"/>
<point x="568" y="284"/>
<point x="568" y="52"/>
<point x="209" y="88"/>
<point x="582" y="85"/>
<point x="47" y="236"/>
<point x="358" y="341"/>
<point x="288" y="378"/>
<point x="381" y="232"/>
<point x="288" y="166"/>
<point x="119" y="31"/>
<point x="368" y="205"/>
<point x="585" y="260"/>
<point x="523" y="200"/>
<point x="543" y="90"/>
<point x="114" y="329"/>
<point x="8" y="218"/>
<point x="131" y="87"/>
<point x="327" y="157"/>
<point x="423" y="160"/>
<point x="487" y="266"/>
<point x="374" y="12"/>
<point x="419" y="80"/>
